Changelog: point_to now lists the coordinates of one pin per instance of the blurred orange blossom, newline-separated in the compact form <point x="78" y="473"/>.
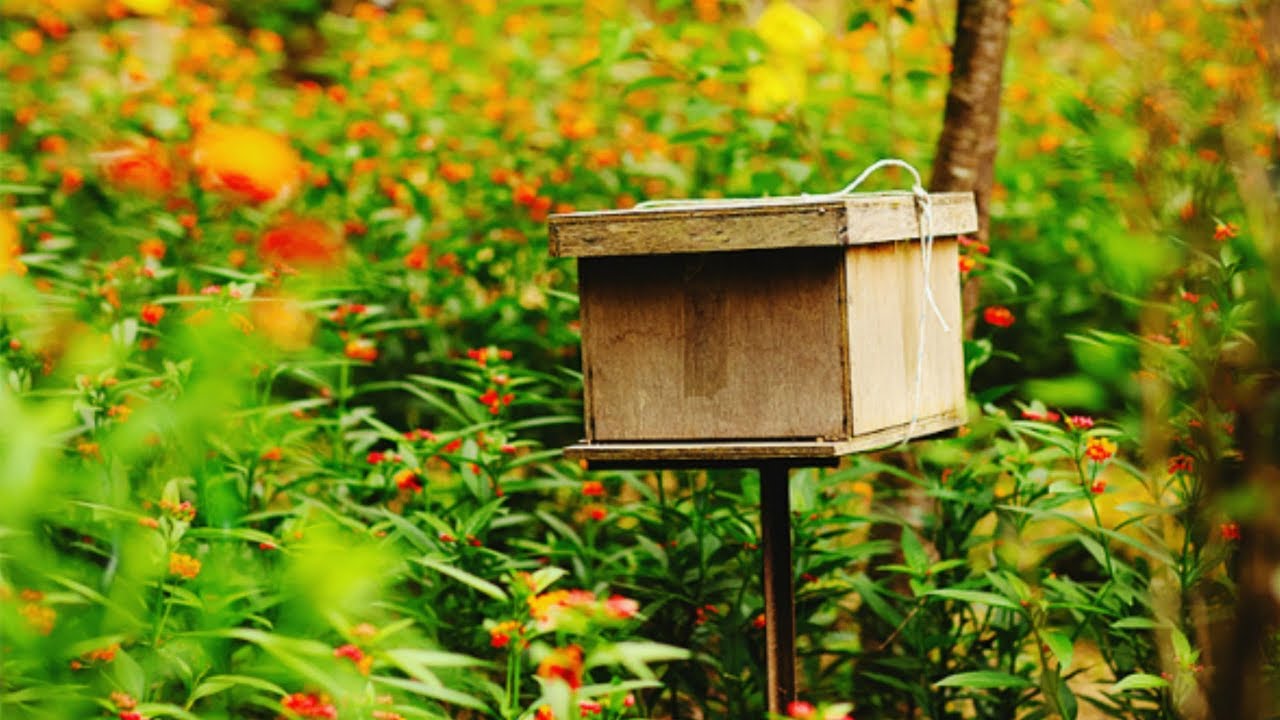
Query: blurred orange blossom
<point x="302" y="243"/>
<point x="246" y="162"/>
<point x="143" y="167"/>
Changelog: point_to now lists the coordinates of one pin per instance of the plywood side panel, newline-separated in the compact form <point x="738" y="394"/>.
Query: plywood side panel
<point x="804" y="221"/>
<point x="885" y="298"/>
<point x="739" y="346"/>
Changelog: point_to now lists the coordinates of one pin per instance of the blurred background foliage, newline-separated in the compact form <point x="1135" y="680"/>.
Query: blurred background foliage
<point x="286" y="365"/>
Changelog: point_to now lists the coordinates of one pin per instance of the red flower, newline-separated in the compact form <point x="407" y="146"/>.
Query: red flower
<point x="998" y="315"/>
<point x="272" y="454"/>
<point x="1230" y="531"/>
<point x="500" y="634"/>
<point x="621" y="608"/>
<point x="801" y="709"/>
<point x="759" y="622"/>
<point x="1224" y="231"/>
<point x="408" y="480"/>
<point x="593" y="488"/>
<point x="142" y="168"/>
<point x="302" y="243"/>
<point x="310" y="706"/>
<point x="151" y="314"/>
<point x="417" y="258"/>
<point x="1099" y="486"/>
<point x="375" y="457"/>
<point x="1181" y="464"/>
<point x="1079" y="422"/>
<point x="362" y="661"/>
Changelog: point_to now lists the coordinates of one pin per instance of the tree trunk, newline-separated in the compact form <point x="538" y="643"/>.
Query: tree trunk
<point x="966" y="155"/>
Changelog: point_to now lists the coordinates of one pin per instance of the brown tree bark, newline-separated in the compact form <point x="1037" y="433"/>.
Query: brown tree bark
<point x="966" y="154"/>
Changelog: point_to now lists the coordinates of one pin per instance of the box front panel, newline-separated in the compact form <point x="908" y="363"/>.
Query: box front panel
<point x="719" y="346"/>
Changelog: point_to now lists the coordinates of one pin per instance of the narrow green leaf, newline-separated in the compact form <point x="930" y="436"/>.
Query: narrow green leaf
<point x="1140" y="681"/>
<point x="984" y="680"/>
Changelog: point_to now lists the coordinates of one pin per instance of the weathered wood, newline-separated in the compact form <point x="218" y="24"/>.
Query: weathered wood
<point x="655" y="455"/>
<point x="779" y="588"/>
<point x="885" y="286"/>
<point x="696" y="347"/>
<point x="766" y="223"/>
<point x="744" y="452"/>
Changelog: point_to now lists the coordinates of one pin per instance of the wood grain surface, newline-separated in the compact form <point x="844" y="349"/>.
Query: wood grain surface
<point x="737" y="346"/>
<point x="758" y="224"/>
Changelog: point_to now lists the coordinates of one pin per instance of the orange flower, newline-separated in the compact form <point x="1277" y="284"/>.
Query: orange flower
<point x="1099" y="449"/>
<point x="1223" y="232"/>
<point x="143" y="168"/>
<point x="246" y="162"/>
<point x="40" y="618"/>
<point x="500" y="634"/>
<point x="408" y="480"/>
<point x="593" y="488"/>
<point x="183" y="566"/>
<point x="284" y="322"/>
<point x="417" y="258"/>
<point x="563" y="664"/>
<point x="361" y="349"/>
<point x="152" y="247"/>
<point x="72" y="180"/>
<point x="302" y="243"/>
<point x="29" y="41"/>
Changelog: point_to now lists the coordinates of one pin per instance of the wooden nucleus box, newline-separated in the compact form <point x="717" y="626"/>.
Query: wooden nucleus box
<point x="782" y="327"/>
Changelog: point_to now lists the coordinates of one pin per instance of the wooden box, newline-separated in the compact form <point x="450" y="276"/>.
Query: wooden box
<point x="780" y="321"/>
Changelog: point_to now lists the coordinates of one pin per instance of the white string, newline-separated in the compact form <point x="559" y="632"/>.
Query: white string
<point x="924" y="207"/>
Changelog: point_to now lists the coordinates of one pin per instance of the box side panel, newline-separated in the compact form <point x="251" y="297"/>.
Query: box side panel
<point x="744" y="347"/>
<point x="885" y="286"/>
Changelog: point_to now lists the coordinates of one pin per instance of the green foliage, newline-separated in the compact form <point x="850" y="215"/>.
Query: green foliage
<point x="284" y="365"/>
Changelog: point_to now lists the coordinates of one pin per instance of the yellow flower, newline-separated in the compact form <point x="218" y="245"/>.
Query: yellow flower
<point x="9" y="247"/>
<point x="148" y="7"/>
<point x="772" y="86"/>
<point x="788" y="30"/>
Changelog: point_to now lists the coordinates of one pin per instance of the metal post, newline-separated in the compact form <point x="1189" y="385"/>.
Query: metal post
<point x="779" y="591"/>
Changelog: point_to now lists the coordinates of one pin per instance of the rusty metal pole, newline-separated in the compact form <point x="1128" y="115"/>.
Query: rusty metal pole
<point x="779" y="590"/>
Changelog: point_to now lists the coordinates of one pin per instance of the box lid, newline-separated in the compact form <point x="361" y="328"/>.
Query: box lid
<point x="793" y="221"/>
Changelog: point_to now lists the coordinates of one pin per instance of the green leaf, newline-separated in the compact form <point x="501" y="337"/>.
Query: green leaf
<point x="1140" y="681"/>
<point x="479" y="584"/>
<point x="913" y="551"/>
<point x="1061" y="646"/>
<point x="1137" y="623"/>
<point x="215" y="684"/>
<point x="636" y="656"/>
<point x="977" y="597"/>
<point x="984" y="680"/>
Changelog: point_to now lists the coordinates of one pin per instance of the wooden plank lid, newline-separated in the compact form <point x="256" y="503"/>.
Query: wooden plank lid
<point x="765" y="223"/>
